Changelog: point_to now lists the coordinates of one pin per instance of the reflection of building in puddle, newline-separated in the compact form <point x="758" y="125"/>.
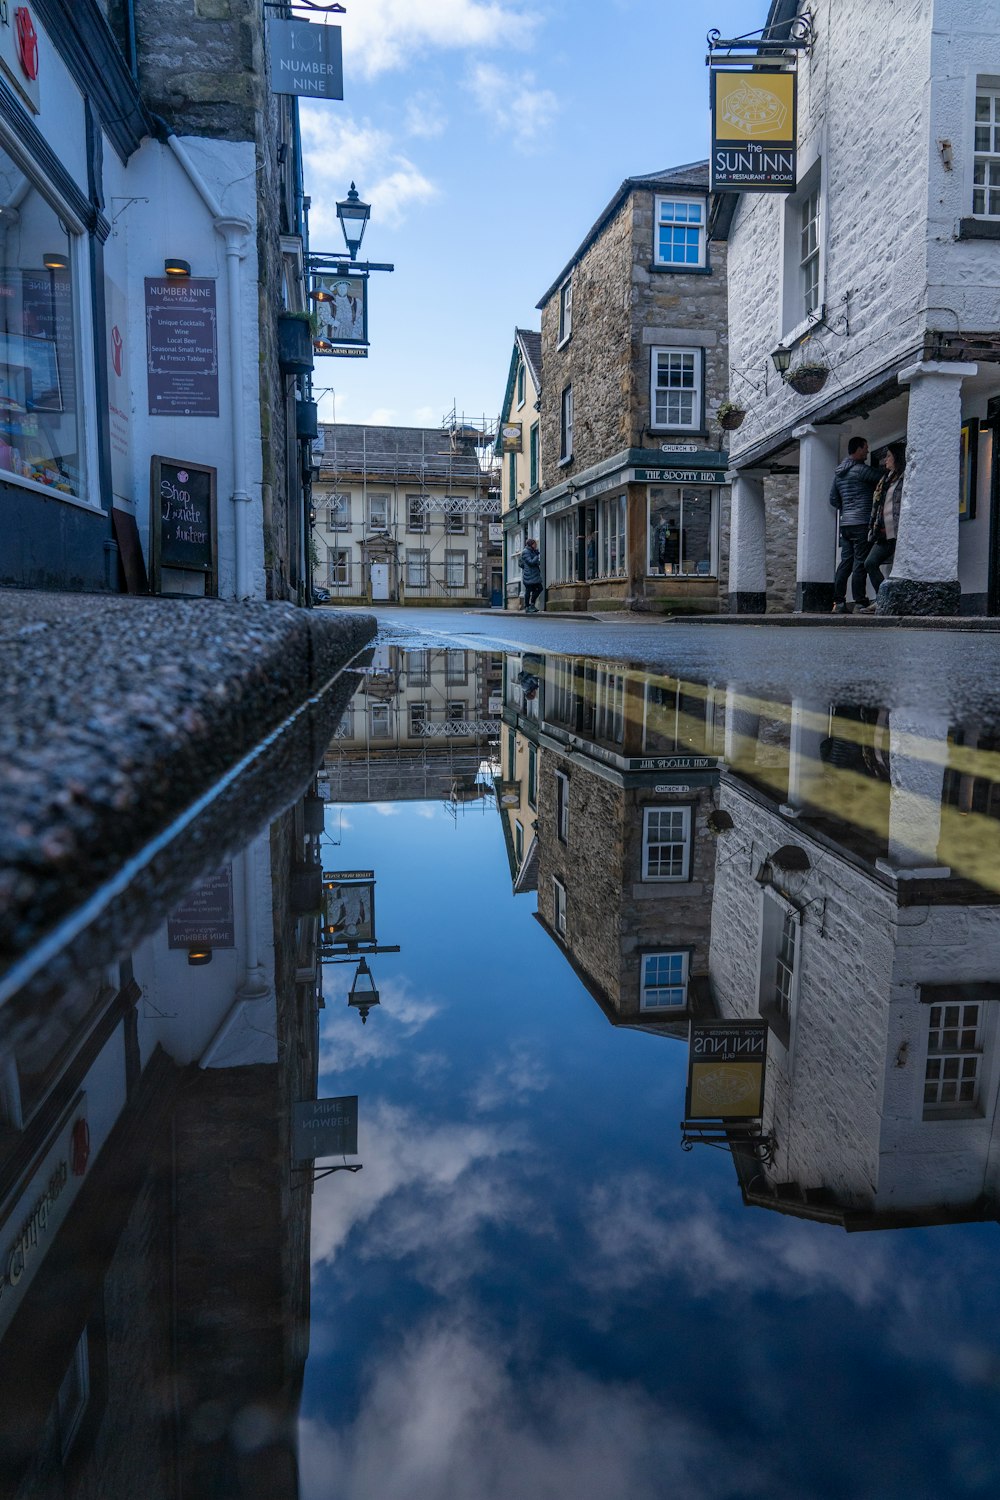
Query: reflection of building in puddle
<point x="620" y="771"/>
<point x="421" y="727"/>
<point x="155" y="1259"/>
<point x="841" y="914"/>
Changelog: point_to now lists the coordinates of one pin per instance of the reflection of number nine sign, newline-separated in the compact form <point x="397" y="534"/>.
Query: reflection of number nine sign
<point x="116" y="349"/>
<point x="27" y="42"/>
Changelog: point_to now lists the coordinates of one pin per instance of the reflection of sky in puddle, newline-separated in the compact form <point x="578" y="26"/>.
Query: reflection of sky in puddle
<point x="531" y="1291"/>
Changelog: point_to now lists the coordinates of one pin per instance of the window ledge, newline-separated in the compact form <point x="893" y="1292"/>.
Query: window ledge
<point x="564" y="461"/>
<point x="659" y="269"/>
<point x="563" y="342"/>
<point x="794" y="335"/>
<point x="22" y="482"/>
<point x="979" y="229"/>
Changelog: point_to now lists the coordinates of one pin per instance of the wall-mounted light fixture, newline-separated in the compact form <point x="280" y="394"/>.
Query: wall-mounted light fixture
<point x="353" y="216"/>
<point x="54" y="260"/>
<point x="174" y="266"/>
<point x="363" y="992"/>
<point x="199" y="957"/>
<point x="781" y="358"/>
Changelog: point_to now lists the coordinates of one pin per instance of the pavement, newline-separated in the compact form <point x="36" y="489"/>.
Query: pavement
<point x="116" y="713"/>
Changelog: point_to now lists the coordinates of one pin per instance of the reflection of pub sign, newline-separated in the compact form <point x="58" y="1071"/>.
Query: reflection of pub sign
<point x="726" y="1065"/>
<point x="348" y="907"/>
<point x="753" y="131"/>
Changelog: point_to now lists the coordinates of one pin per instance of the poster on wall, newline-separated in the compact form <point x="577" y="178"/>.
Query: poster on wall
<point x="753" y="131"/>
<point x="341" y="304"/>
<point x="182" y="347"/>
<point x="205" y="919"/>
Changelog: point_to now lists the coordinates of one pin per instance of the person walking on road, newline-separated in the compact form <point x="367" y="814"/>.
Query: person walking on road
<point x="884" y="525"/>
<point x="531" y="575"/>
<point x="853" y="487"/>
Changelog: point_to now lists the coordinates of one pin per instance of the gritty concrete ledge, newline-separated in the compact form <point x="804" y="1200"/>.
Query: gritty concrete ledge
<point x="116" y="713"/>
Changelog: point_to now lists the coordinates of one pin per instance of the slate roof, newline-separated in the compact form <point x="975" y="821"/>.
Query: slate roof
<point x="531" y="348"/>
<point x="357" y="448"/>
<point x="694" y="175"/>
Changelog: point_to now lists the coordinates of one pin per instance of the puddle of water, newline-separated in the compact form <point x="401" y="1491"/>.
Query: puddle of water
<point x="514" y="889"/>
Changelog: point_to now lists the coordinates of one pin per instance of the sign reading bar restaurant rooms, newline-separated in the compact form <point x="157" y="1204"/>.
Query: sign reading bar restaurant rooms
<point x="726" y="1065"/>
<point x="753" y="131"/>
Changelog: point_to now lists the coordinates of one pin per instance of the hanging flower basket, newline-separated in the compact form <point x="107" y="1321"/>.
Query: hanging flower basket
<point x="808" y="380"/>
<point x="730" y="416"/>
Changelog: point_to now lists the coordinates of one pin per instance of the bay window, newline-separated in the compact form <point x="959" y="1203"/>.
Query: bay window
<point x="612" y="562"/>
<point x="681" y="530"/>
<point x="564" y="549"/>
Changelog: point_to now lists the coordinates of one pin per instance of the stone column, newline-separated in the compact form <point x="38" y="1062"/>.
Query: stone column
<point x="924" y="578"/>
<point x="918" y="753"/>
<point x="810" y="725"/>
<point x="747" y="556"/>
<point x="742" y="728"/>
<point x="816" y="556"/>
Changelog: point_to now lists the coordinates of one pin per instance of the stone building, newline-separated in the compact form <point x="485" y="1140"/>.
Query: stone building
<point x="634" y="509"/>
<point x="881" y="268"/>
<point x="519" y="450"/>
<point x="154" y="229"/>
<point x="517" y="784"/>
<point x="402" y="515"/>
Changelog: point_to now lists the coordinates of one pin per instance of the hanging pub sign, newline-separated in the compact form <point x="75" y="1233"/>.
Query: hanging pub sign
<point x="182" y="527"/>
<point x="510" y="437"/>
<point x="305" y="59"/>
<point x="182" y="347"/>
<point x="726" y="1065"/>
<point x="753" y="131"/>
<point x="348" y="909"/>
<point x="325" y="1127"/>
<point x="341" y="304"/>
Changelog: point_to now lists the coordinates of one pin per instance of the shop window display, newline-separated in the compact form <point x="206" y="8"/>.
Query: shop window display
<point x="680" y="531"/>
<point x="40" y="436"/>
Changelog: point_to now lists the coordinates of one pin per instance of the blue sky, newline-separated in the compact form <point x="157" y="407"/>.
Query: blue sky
<point x="488" y="135"/>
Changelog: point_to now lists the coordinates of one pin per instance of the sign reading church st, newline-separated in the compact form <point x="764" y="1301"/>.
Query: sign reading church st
<point x="753" y="131"/>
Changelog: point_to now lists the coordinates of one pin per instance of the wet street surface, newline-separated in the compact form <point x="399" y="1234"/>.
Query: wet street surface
<point x="657" y="965"/>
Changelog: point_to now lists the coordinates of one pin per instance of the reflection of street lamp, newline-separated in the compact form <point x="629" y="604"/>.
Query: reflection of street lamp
<point x="353" y="216"/>
<point x="363" y="992"/>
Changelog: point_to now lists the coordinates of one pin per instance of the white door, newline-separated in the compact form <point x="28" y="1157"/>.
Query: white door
<point x="380" y="580"/>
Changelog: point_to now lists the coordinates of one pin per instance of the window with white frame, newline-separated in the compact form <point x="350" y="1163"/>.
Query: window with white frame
<point x="378" y="512"/>
<point x="609" y="705"/>
<point x="559" y="906"/>
<point x="563" y="555"/>
<point x="780" y="939"/>
<point x="561" y="702"/>
<point x="454" y="519"/>
<point x="380" y="720"/>
<point x="562" y="807"/>
<point x="417" y="519"/>
<point x="456" y="569"/>
<point x="566" y="425"/>
<point x="518" y="841"/>
<point x="419" y="715"/>
<point x="42" y="382"/>
<point x="676" y="388"/>
<point x="565" y="310"/>
<point x="809" y="251"/>
<point x="456" y="666"/>
<point x="338" y="567"/>
<point x="418" y="567"/>
<point x="612" y="560"/>
<point x="953" y="1070"/>
<point x="680" y="233"/>
<point x="456" y="711"/>
<point x="515" y="547"/>
<point x="338" y="512"/>
<point x="681" y="530"/>
<point x="418" y="668"/>
<point x="533" y="457"/>
<point x="520" y="382"/>
<point x="664" y="981"/>
<point x="345" y="729"/>
<point x="666" y="843"/>
<point x="986" y="155"/>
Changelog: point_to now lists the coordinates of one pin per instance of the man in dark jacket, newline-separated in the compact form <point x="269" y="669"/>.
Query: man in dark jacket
<point x="531" y="575"/>
<point x="853" y="486"/>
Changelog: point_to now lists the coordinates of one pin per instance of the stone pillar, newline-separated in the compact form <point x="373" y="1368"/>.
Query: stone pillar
<point x="924" y="578"/>
<point x="742" y="728"/>
<point x="816" y="556"/>
<point x="918" y="753"/>
<point x="747" y="557"/>
<point x="810" y="725"/>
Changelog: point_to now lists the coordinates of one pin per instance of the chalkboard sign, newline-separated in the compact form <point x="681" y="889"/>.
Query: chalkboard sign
<point x="183" y="527"/>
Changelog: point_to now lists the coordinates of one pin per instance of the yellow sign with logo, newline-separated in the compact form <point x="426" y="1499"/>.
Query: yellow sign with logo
<point x="753" y="130"/>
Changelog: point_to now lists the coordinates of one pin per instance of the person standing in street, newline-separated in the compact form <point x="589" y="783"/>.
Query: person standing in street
<point x="531" y="575"/>
<point x="884" y="525"/>
<point x="853" y="488"/>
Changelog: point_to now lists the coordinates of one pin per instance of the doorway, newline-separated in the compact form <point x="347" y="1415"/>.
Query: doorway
<point x="380" y="581"/>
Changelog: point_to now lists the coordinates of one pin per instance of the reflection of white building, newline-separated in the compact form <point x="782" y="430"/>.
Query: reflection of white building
<point x="841" y="915"/>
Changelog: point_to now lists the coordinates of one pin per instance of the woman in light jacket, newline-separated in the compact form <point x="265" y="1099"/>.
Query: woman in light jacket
<point x="884" y="524"/>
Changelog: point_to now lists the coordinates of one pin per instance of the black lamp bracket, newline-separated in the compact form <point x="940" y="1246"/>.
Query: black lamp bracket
<point x="316" y="1174"/>
<point x="723" y="1137"/>
<point x="799" y="36"/>
<point x="329" y="10"/>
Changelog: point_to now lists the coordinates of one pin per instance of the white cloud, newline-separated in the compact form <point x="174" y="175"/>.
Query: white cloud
<point x="426" y="416"/>
<point x="453" y="1412"/>
<point x="337" y="150"/>
<point x="388" y="34"/>
<point x="384" y="809"/>
<point x="382" y="416"/>
<point x="424" y="116"/>
<point x="513" y="103"/>
<point x="400" y="1016"/>
<point x="510" y="1080"/>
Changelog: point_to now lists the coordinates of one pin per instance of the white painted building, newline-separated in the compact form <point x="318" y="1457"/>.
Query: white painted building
<point x="884" y="266"/>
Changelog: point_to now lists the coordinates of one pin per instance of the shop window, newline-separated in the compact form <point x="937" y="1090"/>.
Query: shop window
<point x="418" y="568"/>
<point x="565" y="310"/>
<point x="559" y="906"/>
<point x="564" y="548"/>
<point x="516" y="547"/>
<point x="664" y="981"/>
<point x="378" y="512"/>
<point x="952" y="1073"/>
<point x="680" y="233"/>
<point x="338" y="567"/>
<point x="676" y="391"/>
<point x="612" y="562"/>
<point x="666" y="843"/>
<point x="417" y="519"/>
<point x="681" y="530"/>
<point x="609" y="705"/>
<point x="986" y="156"/>
<point x="566" y="425"/>
<point x="338" y="514"/>
<point x="41" y="407"/>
